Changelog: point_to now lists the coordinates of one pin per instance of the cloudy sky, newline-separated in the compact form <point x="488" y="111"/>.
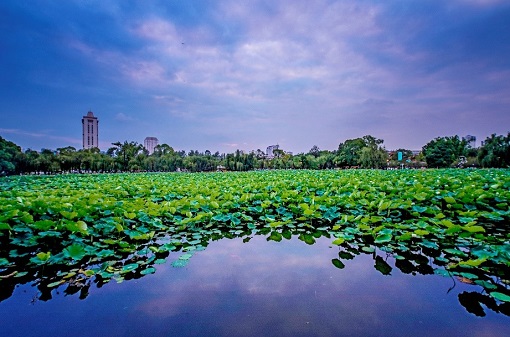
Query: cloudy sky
<point x="227" y="75"/>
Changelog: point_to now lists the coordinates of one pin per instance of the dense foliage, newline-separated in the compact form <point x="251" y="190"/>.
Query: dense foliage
<point x="495" y="151"/>
<point x="365" y="152"/>
<point x="8" y="152"/>
<point x="444" y="151"/>
<point x="75" y="230"/>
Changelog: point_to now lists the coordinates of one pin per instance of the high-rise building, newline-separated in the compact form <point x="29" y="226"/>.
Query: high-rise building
<point x="90" y="131"/>
<point x="270" y="150"/>
<point x="150" y="143"/>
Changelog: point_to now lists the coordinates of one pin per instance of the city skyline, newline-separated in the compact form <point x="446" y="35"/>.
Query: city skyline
<point x="223" y="76"/>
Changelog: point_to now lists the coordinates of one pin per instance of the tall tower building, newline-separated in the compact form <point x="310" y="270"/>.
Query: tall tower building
<point x="150" y="143"/>
<point x="90" y="131"/>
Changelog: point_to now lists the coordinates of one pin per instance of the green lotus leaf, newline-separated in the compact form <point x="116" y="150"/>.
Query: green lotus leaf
<point x="485" y="284"/>
<point x="4" y="225"/>
<point x="469" y="276"/>
<point x="472" y="263"/>
<point x="55" y="284"/>
<point x="76" y="252"/>
<point x="338" y="241"/>
<point x="454" y="252"/>
<point x="419" y="209"/>
<point x="43" y="256"/>
<point x="150" y="270"/>
<point x="69" y="215"/>
<point x="130" y="267"/>
<point x="383" y="238"/>
<point x="44" y="225"/>
<point x="404" y="237"/>
<point x="429" y="244"/>
<point x="474" y="229"/>
<point x="275" y="236"/>
<point x="421" y="232"/>
<point x="368" y="249"/>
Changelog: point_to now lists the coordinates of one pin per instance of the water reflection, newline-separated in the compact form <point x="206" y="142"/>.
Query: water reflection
<point x="260" y="288"/>
<point x="137" y="260"/>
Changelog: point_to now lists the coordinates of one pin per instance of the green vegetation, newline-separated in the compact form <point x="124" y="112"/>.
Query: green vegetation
<point x="77" y="229"/>
<point x="365" y="152"/>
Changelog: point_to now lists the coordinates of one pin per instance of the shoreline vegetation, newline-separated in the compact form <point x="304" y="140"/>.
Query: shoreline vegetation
<point x="366" y="152"/>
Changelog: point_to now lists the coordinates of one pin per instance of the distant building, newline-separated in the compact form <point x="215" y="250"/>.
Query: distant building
<point x="270" y="149"/>
<point x="150" y="143"/>
<point x="470" y="140"/>
<point x="90" y="131"/>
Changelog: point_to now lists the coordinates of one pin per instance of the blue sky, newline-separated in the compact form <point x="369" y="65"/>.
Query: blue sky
<point x="227" y="75"/>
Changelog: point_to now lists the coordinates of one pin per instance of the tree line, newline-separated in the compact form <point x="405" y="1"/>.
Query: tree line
<point x="364" y="152"/>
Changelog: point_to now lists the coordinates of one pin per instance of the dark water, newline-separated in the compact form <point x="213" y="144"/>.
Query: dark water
<point x="258" y="288"/>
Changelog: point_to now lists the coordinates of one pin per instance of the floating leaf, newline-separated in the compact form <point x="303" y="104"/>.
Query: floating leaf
<point x="76" y="252"/>
<point x="485" y="284"/>
<point x="43" y="256"/>
<point x="500" y="296"/>
<point x="472" y="263"/>
<point x="474" y="229"/>
<point x="130" y="267"/>
<point x="383" y="238"/>
<point x="338" y="241"/>
<point x="150" y="270"/>
<point x="55" y="284"/>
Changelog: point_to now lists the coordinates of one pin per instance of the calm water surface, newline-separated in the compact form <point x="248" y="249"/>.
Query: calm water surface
<point x="258" y="288"/>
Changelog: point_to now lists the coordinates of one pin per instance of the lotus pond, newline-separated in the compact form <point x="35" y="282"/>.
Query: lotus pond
<point x="259" y="253"/>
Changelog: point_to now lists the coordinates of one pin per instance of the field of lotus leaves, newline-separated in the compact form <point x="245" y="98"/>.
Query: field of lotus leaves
<point x="74" y="231"/>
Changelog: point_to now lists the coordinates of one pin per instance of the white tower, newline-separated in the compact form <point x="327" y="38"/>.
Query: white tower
<point x="90" y="131"/>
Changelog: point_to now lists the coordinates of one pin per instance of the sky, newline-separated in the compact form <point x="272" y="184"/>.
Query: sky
<point x="229" y="74"/>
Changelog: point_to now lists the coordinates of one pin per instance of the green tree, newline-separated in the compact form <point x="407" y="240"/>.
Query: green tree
<point x="444" y="151"/>
<point x="315" y="151"/>
<point x="495" y="151"/>
<point x="375" y="158"/>
<point x="68" y="159"/>
<point x="124" y="153"/>
<point x="47" y="161"/>
<point x="8" y="153"/>
<point x="350" y="153"/>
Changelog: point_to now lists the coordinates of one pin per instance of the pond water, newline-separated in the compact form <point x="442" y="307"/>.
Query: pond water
<point x="259" y="288"/>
